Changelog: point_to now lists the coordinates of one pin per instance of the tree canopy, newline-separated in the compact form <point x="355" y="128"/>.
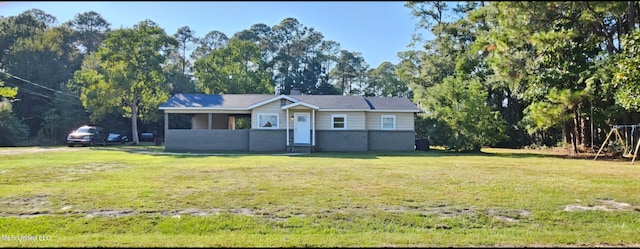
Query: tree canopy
<point x="127" y="73"/>
<point x="509" y="74"/>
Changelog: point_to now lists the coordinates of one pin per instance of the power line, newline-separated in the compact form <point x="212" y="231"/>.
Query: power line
<point x="29" y="91"/>
<point x="38" y="85"/>
<point x="38" y="94"/>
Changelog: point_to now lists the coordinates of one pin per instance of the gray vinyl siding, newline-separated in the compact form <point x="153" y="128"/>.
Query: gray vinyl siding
<point x="355" y="120"/>
<point x="404" y="121"/>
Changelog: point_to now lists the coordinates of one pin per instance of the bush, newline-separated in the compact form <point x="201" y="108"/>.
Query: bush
<point x="12" y="131"/>
<point x="458" y="117"/>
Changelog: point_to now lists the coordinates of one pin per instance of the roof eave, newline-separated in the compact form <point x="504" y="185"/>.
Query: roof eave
<point x="205" y="108"/>
<point x="271" y="100"/>
<point x="300" y="104"/>
<point x="394" y="110"/>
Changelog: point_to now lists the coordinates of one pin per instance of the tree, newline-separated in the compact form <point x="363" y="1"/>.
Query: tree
<point x="24" y="25"/>
<point x="11" y="129"/>
<point x="383" y="81"/>
<point x="233" y="69"/>
<point x="66" y="113"/>
<point x="533" y="47"/>
<point x="463" y="121"/>
<point x="184" y="36"/>
<point x="627" y="73"/>
<point x="298" y="55"/>
<point x="178" y="71"/>
<point x="350" y="68"/>
<point x="90" y="30"/>
<point x="5" y="91"/>
<point x="212" y="41"/>
<point x="559" y="107"/>
<point x="127" y="73"/>
<point x="41" y="64"/>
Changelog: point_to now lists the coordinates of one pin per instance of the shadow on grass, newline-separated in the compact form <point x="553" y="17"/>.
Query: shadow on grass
<point x="150" y="149"/>
<point x="159" y="151"/>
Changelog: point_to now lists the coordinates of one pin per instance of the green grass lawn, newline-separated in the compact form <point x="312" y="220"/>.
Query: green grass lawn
<point x="117" y="196"/>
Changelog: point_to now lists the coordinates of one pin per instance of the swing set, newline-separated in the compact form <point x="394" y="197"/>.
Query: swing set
<point x="626" y="139"/>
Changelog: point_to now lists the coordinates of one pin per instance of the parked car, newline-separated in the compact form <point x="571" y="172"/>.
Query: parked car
<point x="117" y="138"/>
<point x="87" y="136"/>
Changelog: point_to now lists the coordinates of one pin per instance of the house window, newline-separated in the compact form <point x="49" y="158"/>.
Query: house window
<point x="388" y="122"/>
<point x="339" y="122"/>
<point x="268" y="121"/>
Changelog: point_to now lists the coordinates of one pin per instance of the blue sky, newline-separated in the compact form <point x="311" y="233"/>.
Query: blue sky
<point x="378" y="30"/>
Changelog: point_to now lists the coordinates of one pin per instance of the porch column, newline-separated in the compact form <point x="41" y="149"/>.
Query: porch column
<point x="287" y="118"/>
<point x="166" y="123"/>
<point x="209" y="122"/>
<point x="313" y="127"/>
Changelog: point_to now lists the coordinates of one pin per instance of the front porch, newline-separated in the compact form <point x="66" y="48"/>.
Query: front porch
<point x="300" y="127"/>
<point x="215" y="131"/>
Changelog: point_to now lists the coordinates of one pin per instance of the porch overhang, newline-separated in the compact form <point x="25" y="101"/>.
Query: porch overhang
<point x="203" y="110"/>
<point x="298" y="104"/>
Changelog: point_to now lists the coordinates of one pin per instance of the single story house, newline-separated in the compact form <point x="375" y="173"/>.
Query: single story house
<point x="288" y="123"/>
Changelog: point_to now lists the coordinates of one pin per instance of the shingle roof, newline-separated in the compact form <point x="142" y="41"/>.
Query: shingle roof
<point x="334" y="101"/>
<point x="245" y="101"/>
<point x="215" y="100"/>
<point x="391" y="103"/>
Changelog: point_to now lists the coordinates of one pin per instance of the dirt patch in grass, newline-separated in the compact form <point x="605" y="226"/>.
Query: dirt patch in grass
<point x="81" y="171"/>
<point x="603" y="205"/>
<point x="33" y="150"/>
<point x="30" y="206"/>
<point x="584" y="153"/>
<point x="94" y="167"/>
<point x="512" y="216"/>
<point x="108" y="213"/>
<point x="41" y="204"/>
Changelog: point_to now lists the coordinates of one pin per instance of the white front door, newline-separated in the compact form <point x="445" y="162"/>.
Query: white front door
<point x="301" y="128"/>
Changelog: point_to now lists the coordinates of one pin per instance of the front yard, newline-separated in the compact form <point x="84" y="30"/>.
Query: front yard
<point x="138" y="196"/>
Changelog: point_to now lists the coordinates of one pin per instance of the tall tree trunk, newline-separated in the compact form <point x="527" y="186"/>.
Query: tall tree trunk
<point x="586" y="131"/>
<point x="566" y="128"/>
<point x="574" y="141"/>
<point x="184" y="58"/>
<point x="577" y="128"/>
<point x="134" y="123"/>
<point x="631" y="21"/>
<point x="571" y="131"/>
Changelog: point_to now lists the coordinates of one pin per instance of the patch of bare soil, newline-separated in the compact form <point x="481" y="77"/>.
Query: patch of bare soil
<point x="24" y="208"/>
<point x="15" y="208"/>
<point x="30" y="206"/>
<point x="583" y="153"/>
<point x="603" y="205"/>
<point x="512" y="216"/>
<point x="605" y="245"/>
<point x="33" y="150"/>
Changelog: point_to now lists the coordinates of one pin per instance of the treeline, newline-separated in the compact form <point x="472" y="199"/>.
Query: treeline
<point x="56" y="77"/>
<point x="508" y="74"/>
<point x="525" y="73"/>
